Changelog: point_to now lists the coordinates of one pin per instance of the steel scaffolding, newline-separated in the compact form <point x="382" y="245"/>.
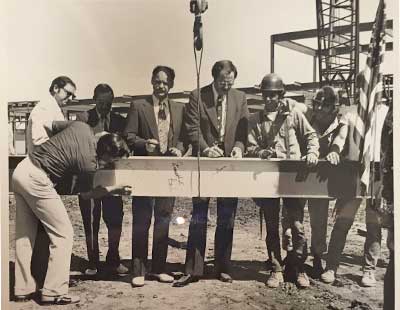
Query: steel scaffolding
<point x="337" y="30"/>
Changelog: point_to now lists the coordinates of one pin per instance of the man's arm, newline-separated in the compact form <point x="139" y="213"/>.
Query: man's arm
<point x="307" y="133"/>
<point x="253" y="149"/>
<point x="82" y="117"/>
<point x="39" y="127"/>
<point x="340" y="140"/>
<point x="58" y="126"/>
<point x="337" y="144"/>
<point x="131" y="130"/>
<point x="38" y="131"/>
<point x="182" y="144"/>
<point x="120" y="122"/>
<point x="243" y="126"/>
<point x="88" y="192"/>
<point x="192" y="124"/>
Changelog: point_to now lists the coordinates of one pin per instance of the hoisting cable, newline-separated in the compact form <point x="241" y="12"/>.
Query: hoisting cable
<point x="198" y="7"/>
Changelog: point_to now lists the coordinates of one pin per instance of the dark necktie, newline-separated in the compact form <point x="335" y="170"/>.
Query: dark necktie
<point x="161" y="112"/>
<point x="106" y="124"/>
<point x="219" y="115"/>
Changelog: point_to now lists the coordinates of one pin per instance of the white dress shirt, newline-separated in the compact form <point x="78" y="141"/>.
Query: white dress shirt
<point x="40" y="123"/>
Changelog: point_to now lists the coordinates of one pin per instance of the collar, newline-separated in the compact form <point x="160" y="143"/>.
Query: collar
<point x="156" y="101"/>
<point x="331" y="127"/>
<point x="271" y="116"/>
<point x="54" y="105"/>
<point x="216" y="93"/>
<point x="99" y="115"/>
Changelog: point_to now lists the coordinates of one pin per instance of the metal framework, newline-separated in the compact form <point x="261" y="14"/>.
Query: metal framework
<point x="18" y="115"/>
<point x="388" y="86"/>
<point x="296" y="41"/>
<point x="332" y="14"/>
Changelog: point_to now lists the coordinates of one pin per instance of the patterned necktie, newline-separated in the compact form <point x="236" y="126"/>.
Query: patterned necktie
<point x="161" y="112"/>
<point x="219" y="116"/>
<point x="163" y="128"/>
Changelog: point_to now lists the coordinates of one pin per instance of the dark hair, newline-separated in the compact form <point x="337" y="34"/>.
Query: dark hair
<point x="60" y="81"/>
<point x="101" y="89"/>
<point x="223" y="65"/>
<point x="112" y="144"/>
<point x="327" y="95"/>
<point x="168" y="71"/>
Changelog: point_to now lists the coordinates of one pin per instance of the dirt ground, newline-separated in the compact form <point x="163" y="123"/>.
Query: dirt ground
<point x="248" y="291"/>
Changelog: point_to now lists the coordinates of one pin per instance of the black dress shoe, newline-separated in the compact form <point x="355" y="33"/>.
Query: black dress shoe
<point x="24" y="298"/>
<point x="224" y="277"/>
<point x="185" y="280"/>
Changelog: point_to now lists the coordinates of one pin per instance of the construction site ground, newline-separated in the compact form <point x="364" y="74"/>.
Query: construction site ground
<point x="248" y="290"/>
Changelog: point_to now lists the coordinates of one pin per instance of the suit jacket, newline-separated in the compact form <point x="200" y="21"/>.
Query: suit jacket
<point x="236" y="127"/>
<point x="117" y="122"/>
<point x="141" y="125"/>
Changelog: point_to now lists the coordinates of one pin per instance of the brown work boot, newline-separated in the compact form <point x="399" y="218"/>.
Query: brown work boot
<point x="368" y="279"/>
<point x="328" y="276"/>
<point x="302" y="280"/>
<point x="275" y="279"/>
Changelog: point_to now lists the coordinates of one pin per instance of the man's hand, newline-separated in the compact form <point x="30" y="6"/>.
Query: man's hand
<point x="120" y="189"/>
<point x="175" y="152"/>
<point x="333" y="158"/>
<point x="151" y="145"/>
<point x="312" y="160"/>
<point x="265" y="153"/>
<point x="102" y="191"/>
<point x="213" y="152"/>
<point x="236" y="152"/>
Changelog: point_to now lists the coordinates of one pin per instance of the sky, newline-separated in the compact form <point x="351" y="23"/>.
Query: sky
<point x="119" y="42"/>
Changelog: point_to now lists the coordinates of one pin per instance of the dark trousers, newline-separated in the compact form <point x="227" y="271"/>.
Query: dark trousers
<point x="196" y="246"/>
<point x="142" y="211"/>
<point x="293" y="218"/>
<point x="271" y="209"/>
<point x="318" y="209"/>
<point x="112" y="208"/>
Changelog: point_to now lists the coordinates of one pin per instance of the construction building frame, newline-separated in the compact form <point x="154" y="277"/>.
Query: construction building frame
<point x="290" y="40"/>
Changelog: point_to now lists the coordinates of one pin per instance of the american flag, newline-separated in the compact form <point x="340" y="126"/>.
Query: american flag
<point x="371" y="88"/>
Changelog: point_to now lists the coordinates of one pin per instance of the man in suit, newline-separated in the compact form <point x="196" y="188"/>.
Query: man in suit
<point x="154" y="128"/>
<point x="102" y="119"/>
<point x="223" y="122"/>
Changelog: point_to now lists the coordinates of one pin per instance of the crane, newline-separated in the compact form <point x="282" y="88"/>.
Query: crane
<point x="338" y="43"/>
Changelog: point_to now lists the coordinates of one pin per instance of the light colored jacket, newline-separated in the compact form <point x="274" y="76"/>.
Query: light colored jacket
<point x="289" y="136"/>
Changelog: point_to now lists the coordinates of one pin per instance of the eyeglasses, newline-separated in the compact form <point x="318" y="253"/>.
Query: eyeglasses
<point x="69" y="94"/>
<point x="271" y="94"/>
<point x="225" y="81"/>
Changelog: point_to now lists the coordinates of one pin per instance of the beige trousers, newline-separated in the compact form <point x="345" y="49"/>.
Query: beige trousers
<point x="37" y="200"/>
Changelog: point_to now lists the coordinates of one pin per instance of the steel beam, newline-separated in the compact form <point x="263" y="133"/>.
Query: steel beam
<point x="227" y="177"/>
<point x="298" y="47"/>
<point x="312" y="33"/>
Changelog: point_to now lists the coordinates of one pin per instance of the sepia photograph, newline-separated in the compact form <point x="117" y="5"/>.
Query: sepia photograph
<point x="199" y="154"/>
